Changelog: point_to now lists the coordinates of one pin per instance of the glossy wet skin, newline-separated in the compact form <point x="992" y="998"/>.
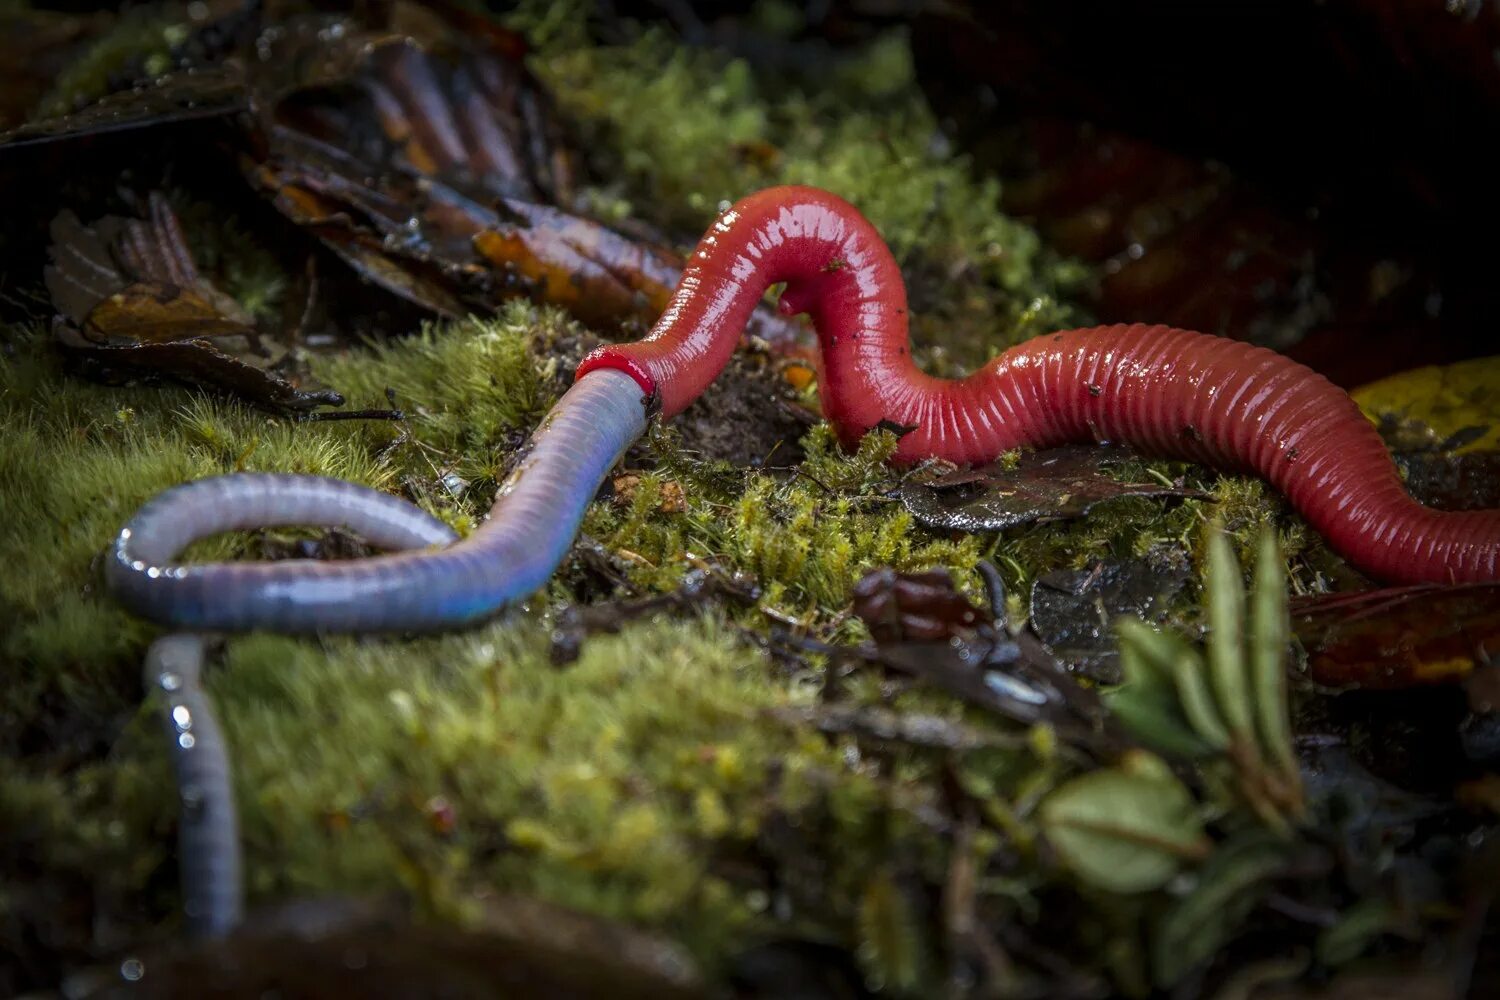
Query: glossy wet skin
<point x="1167" y="392"/>
<point x="436" y="583"/>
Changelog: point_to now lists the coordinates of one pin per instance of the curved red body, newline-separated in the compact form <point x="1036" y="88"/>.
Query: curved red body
<point x="1167" y="392"/>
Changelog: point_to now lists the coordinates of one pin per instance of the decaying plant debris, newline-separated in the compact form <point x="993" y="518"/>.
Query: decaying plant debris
<point x="772" y="727"/>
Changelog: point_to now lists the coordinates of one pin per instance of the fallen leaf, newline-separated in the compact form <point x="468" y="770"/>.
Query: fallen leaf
<point x="1400" y="636"/>
<point x="1052" y="485"/>
<point x="898" y="607"/>
<point x="1466" y="481"/>
<point x="1073" y="611"/>
<point x="133" y="305"/>
<point x="438" y="170"/>
<point x="177" y="97"/>
<point x="925" y="628"/>
<point x="1458" y="399"/>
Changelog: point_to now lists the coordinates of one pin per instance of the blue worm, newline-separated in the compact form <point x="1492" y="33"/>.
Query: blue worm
<point x="208" y="838"/>
<point x="438" y="582"/>
<point x="529" y="530"/>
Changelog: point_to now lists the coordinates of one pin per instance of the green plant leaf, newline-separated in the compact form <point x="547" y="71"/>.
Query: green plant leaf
<point x="1154" y="717"/>
<point x="1126" y="829"/>
<point x="1147" y="703"/>
<point x="1269" y="635"/>
<point x="1228" y="887"/>
<point x="1356" y="928"/>
<point x="890" y="943"/>
<point x="1164" y="654"/>
<point x="1226" y="649"/>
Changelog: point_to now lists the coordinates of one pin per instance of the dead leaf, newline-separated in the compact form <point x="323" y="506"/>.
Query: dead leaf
<point x="1447" y="400"/>
<point x="1469" y="480"/>
<point x="1398" y="637"/>
<point x="1052" y="485"/>
<point x="925" y="628"/>
<point x="439" y="172"/>
<point x="898" y="607"/>
<point x="1073" y="611"/>
<point x="133" y="304"/>
<point x="170" y="99"/>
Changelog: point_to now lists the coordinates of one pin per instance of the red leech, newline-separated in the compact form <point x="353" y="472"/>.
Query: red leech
<point x="1168" y="392"/>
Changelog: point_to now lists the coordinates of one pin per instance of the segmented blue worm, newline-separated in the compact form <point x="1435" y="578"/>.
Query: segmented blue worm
<point x="438" y="582"/>
<point x="208" y="837"/>
<point x="529" y="530"/>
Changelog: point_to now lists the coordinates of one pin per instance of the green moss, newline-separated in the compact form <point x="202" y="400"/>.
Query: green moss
<point x="607" y="786"/>
<point x="807" y="536"/>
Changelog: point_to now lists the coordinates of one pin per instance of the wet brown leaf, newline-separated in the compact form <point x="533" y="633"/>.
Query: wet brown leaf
<point x="439" y="172"/>
<point x="179" y="97"/>
<point x="132" y="304"/>
<point x="1052" y="485"/>
<point x="898" y="607"/>
<point x="1398" y="637"/>
<point x="1470" y="481"/>
<point x="412" y="141"/>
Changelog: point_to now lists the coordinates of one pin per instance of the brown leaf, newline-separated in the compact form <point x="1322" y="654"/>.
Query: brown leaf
<point x="1052" y="485"/>
<point x="1398" y="637"/>
<point x="916" y="606"/>
<point x="207" y="93"/>
<point x="133" y="304"/>
<point x="198" y="362"/>
<point x="925" y="628"/>
<point x="1470" y="481"/>
<point x="439" y="172"/>
<point x="157" y="314"/>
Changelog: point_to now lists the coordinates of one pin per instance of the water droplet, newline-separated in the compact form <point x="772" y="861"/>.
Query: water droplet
<point x="132" y="969"/>
<point x="186" y="741"/>
<point x="169" y="681"/>
<point x="182" y="717"/>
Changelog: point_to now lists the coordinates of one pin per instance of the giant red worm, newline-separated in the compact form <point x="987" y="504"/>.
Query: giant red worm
<point x="1168" y="392"/>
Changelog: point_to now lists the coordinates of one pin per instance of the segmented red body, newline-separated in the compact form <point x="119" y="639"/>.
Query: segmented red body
<point x="1167" y="392"/>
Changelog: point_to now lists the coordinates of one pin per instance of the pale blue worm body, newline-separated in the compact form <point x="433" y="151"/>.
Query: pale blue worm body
<point x="438" y="582"/>
<point x="530" y="528"/>
<point x="208" y="833"/>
